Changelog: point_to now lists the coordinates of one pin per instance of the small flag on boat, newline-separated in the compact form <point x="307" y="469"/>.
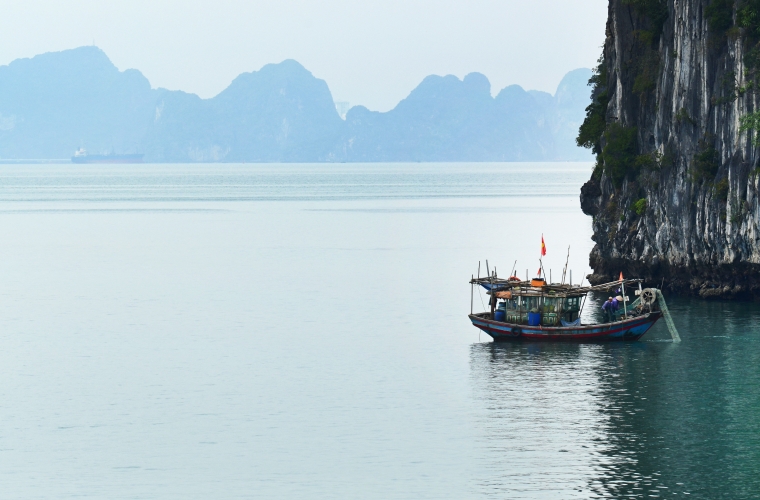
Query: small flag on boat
<point x="621" y="276"/>
<point x="543" y="246"/>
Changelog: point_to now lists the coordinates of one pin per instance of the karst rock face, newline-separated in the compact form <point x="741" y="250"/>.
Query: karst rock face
<point x="674" y="195"/>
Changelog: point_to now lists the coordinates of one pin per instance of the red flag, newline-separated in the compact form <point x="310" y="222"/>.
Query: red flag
<point x="543" y="246"/>
<point x="621" y="276"/>
<point x="538" y="273"/>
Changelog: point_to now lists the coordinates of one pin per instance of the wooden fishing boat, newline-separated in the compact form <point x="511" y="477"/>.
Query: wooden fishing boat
<point x="535" y="310"/>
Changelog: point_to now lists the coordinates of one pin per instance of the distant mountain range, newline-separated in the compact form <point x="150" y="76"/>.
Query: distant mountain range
<point x="55" y="103"/>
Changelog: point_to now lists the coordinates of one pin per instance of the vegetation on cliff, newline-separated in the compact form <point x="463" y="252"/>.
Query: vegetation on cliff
<point x="616" y="145"/>
<point x="674" y="123"/>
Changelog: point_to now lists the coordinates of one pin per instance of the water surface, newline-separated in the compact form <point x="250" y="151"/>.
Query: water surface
<point x="300" y="331"/>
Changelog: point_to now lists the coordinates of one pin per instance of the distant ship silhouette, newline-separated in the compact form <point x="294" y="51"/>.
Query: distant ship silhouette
<point x="81" y="156"/>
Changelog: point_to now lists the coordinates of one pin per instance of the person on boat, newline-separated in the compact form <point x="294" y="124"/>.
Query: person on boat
<point x="615" y="307"/>
<point x="607" y="309"/>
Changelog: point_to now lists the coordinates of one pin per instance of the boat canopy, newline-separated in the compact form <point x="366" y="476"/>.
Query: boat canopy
<point x="511" y="288"/>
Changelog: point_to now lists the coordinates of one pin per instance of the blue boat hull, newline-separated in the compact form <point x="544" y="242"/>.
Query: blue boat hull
<point x="625" y="330"/>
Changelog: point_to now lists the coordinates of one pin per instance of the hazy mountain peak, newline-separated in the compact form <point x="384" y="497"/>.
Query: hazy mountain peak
<point x="511" y="92"/>
<point x="288" y="77"/>
<point x="290" y="66"/>
<point x="477" y="82"/>
<point x="287" y="70"/>
<point x="573" y="90"/>
<point x="447" y="92"/>
<point x="68" y="71"/>
<point x="83" y="57"/>
<point x="436" y="82"/>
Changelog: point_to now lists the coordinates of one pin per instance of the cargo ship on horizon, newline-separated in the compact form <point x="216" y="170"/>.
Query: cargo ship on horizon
<point x="81" y="156"/>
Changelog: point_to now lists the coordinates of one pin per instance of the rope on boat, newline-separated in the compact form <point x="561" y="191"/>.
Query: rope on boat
<point x="668" y="318"/>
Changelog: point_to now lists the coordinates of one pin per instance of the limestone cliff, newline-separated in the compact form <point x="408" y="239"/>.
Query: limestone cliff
<point x="674" y="194"/>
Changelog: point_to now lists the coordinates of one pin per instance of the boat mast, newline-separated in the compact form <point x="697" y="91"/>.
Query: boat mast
<point x="622" y="288"/>
<point x="567" y="261"/>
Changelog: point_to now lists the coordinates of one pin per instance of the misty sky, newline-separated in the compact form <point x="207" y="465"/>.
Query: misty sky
<point x="370" y="52"/>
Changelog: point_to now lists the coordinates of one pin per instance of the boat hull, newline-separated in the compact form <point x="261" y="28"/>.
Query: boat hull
<point x="626" y="330"/>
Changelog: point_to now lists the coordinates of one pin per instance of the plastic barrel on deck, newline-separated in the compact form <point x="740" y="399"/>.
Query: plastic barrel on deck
<point x="534" y="319"/>
<point x="500" y="315"/>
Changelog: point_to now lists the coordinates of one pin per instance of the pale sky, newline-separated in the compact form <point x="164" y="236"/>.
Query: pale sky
<point x="370" y="52"/>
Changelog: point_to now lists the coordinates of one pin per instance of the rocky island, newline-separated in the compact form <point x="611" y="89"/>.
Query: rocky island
<point x="674" y="124"/>
<point x="56" y="103"/>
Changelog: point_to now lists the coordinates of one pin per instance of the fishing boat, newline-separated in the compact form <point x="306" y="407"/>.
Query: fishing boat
<point x="536" y="310"/>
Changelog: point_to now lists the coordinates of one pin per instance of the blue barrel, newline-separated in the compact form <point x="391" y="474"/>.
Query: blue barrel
<point x="534" y="319"/>
<point x="500" y="315"/>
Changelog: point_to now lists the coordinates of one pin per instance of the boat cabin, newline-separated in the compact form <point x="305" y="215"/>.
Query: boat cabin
<point x="537" y="305"/>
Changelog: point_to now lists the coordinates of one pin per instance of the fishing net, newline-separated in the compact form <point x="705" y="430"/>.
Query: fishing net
<point x="668" y="318"/>
<point x="665" y="314"/>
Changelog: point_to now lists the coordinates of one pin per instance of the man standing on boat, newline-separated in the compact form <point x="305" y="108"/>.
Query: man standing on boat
<point x="609" y="308"/>
<point x="615" y="307"/>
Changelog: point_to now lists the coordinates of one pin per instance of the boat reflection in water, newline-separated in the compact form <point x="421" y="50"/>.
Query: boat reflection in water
<point x="563" y="418"/>
<point x="623" y="420"/>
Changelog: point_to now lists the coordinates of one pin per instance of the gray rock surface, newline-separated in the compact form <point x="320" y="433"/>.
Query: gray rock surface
<point x="699" y="230"/>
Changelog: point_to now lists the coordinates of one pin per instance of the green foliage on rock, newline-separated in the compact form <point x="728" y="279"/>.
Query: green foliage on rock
<point x="647" y="73"/>
<point x="654" y="161"/>
<point x="721" y="189"/>
<point x="615" y="145"/>
<point x="731" y="20"/>
<point x="748" y="20"/>
<point x="738" y="211"/>
<point x="590" y="132"/>
<point x="656" y="11"/>
<point x="619" y="152"/>
<point x="649" y="161"/>
<point x="682" y="116"/>
<point x="596" y="174"/>
<point x="751" y="122"/>
<point x="668" y="159"/>
<point x="720" y="15"/>
<point x="639" y="207"/>
<point x="748" y="17"/>
<point x="706" y="163"/>
<point x="652" y="16"/>
<point x="729" y="88"/>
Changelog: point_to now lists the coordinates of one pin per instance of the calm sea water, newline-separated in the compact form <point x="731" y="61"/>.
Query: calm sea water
<point x="301" y="331"/>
